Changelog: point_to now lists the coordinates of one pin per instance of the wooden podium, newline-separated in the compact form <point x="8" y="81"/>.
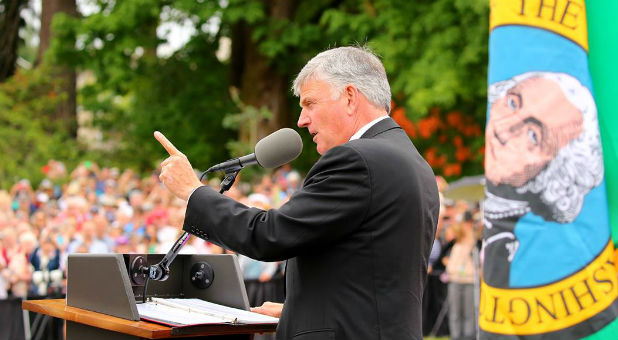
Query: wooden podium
<point x="85" y="324"/>
<point x="103" y="291"/>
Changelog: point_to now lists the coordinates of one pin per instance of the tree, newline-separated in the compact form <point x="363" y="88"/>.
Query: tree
<point x="134" y="91"/>
<point x="435" y="53"/>
<point x="66" y="110"/>
<point x="29" y="99"/>
<point x="29" y="137"/>
<point x="10" y="22"/>
<point x="249" y="67"/>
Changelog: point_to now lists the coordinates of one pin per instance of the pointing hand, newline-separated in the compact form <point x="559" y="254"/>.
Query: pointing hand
<point x="176" y="171"/>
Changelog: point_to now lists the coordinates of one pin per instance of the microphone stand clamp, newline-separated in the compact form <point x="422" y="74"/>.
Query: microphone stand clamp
<point x="161" y="270"/>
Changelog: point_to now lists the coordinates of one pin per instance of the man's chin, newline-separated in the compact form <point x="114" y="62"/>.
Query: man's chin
<point x="514" y="180"/>
<point x="492" y="178"/>
<point x="505" y="182"/>
<point x="499" y="181"/>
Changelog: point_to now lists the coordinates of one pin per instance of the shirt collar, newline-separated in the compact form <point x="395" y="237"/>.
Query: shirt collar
<point x="364" y="129"/>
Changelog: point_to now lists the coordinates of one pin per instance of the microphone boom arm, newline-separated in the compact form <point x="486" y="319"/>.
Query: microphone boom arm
<point x="161" y="270"/>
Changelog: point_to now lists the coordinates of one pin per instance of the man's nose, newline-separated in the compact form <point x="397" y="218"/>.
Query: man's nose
<point x="507" y="128"/>
<point x="303" y="119"/>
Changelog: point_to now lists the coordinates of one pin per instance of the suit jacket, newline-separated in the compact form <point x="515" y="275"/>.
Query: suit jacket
<point x="357" y="238"/>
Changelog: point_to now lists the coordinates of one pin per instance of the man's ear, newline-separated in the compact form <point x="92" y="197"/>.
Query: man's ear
<point x="352" y="97"/>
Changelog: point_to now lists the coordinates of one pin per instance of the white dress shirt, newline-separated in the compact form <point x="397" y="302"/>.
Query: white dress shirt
<point x="367" y="126"/>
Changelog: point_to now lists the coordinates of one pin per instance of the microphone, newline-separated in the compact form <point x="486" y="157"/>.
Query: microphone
<point x="274" y="150"/>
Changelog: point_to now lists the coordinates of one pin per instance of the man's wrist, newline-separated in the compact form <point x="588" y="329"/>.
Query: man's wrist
<point x="192" y="191"/>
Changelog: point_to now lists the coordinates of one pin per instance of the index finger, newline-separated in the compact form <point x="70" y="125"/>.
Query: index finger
<point x="169" y="147"/>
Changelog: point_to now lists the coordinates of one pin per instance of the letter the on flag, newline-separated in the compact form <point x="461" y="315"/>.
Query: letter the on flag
<point x="549" y="269"/>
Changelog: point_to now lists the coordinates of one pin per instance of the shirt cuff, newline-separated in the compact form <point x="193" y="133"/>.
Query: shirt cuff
<point x="192" y="191"/>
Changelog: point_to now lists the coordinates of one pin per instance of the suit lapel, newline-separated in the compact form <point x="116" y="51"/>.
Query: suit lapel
<point x="381" y="126"/>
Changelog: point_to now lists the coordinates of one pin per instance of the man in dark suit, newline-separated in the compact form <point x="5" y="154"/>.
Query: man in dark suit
<point x="357" y="236"/>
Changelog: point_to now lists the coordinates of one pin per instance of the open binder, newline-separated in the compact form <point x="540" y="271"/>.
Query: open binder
<point x="191" y="312"/>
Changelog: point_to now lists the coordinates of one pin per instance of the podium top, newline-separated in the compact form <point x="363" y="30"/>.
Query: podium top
<point x="58" y="308"/>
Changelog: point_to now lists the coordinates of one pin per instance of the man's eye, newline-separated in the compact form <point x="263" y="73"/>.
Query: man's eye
<point x="533" y="136"/>
<point x="511" y="103"/>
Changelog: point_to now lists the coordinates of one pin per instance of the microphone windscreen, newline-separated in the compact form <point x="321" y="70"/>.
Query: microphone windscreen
<point x="278" y="148"/>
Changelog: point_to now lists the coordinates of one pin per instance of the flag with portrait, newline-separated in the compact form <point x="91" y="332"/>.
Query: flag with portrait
<point x="548" y="257"/>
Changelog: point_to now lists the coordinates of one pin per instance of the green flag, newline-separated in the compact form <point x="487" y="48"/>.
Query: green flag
<point x="548" y="252"/>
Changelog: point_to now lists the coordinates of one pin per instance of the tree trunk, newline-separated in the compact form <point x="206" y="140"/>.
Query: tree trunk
<point x="259" y="81"/>
<point x="66" y="111"/>
<point x="10" y="21"/>
<point x="49" y="9"/>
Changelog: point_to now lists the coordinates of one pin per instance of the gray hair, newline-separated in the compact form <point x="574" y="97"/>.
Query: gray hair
<point x="578" y="167"/>
<point x="344" y="66"/>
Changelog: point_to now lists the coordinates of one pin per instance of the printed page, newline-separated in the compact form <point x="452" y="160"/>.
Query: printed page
<point x="173" y="316"/>
<point x="197" y="311"/>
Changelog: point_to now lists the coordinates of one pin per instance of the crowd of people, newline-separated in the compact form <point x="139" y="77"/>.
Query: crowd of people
<point x="450" y="300"/>
<point x="102" y="210"/>
<point x="94" y="209"/>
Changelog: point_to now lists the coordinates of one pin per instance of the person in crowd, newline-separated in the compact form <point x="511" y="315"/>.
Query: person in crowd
<point x="123" y="245"/>
<point x="255" y="273"/>
<point x="150" y="238"/>
<point x="101" y="230"/>
<point x="462" y="272"/>
<point x="54" y="171"/>
<point x="9" y="244"/>
<point x="27" y="240"/>
<point x="19" y="273"/>
<point x="23" y="199"/>
<point x="4" y="284"/>
<point x="38" y="221"/>
<point x="91" y="240"/>
<point x="136" y="200"/>
<point x="435" y="320"/>
<point x="5" y="203"/>
<point x="88" y="237"/>
<point x="127" y="181"/>
<point x="17" y="270"/>
<point x="47" y="275"/>
<point x="74" y="208"/>
<point x="357" y="235"/>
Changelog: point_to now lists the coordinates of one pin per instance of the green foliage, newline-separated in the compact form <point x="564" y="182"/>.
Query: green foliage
<point x="183" y="98"/>
<point x="250" y="12"/>
<point x="434" y="51"/>
<point x="29" y="138"/>
<point x="134" y="92"/>
<point x="248" y="116"/>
